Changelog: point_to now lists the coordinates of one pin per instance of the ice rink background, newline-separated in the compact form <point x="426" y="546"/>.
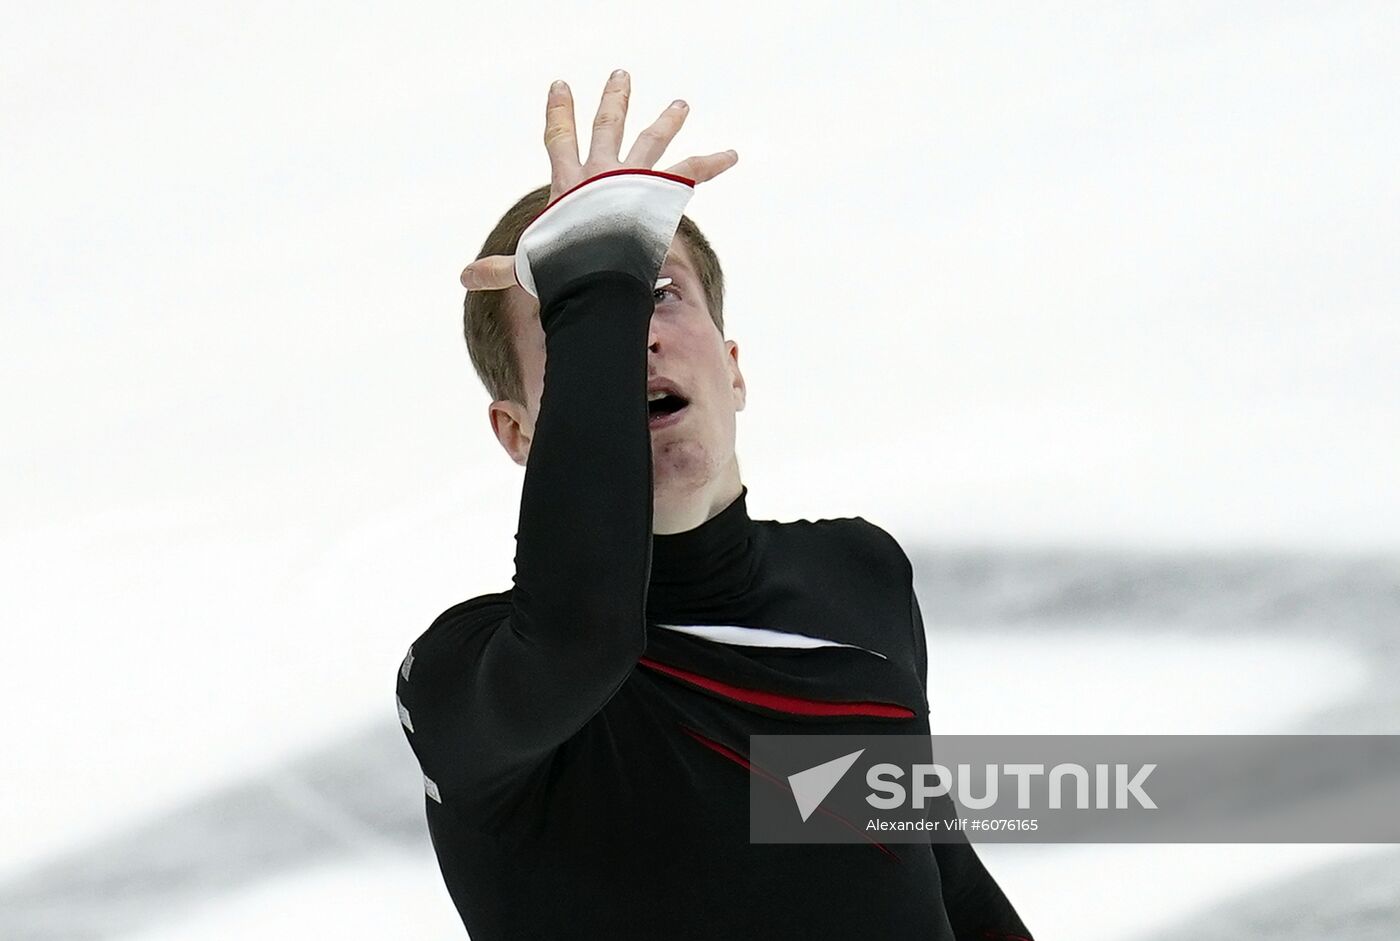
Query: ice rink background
<point x="1094" y="306"/>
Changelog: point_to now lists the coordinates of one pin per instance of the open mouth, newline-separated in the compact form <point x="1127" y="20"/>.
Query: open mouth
<point x="664" y="408"/>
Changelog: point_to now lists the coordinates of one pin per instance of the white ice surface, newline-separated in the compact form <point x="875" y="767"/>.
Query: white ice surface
<point x="1104" y="275"/>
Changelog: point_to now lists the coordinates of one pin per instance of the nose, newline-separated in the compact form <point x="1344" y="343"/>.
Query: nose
<point x="654" y="336"/>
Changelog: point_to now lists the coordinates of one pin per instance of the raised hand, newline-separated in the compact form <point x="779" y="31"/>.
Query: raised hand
<point x="561" y="141"/>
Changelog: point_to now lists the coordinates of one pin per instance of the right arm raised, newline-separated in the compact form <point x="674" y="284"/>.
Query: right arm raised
<point x="497" y="683"/>
<point x="495" y="688"/>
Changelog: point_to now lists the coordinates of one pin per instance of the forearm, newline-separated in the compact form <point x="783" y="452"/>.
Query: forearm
<point x="584" y="540"/>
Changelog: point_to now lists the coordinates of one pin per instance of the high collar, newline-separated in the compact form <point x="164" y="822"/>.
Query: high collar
<point x="711" y="561"/>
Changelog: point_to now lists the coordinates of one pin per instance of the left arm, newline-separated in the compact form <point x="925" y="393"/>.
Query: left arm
<point x="977" y="908"/>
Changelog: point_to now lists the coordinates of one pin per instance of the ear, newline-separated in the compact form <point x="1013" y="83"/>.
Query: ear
<point x="511" y="425"/>
<point x="737" y="384"/>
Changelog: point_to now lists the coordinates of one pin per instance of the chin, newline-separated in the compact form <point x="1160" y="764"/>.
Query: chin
<point x="672" y="478"/>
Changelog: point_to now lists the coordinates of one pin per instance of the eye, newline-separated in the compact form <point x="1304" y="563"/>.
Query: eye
<point x="662" y="289"/>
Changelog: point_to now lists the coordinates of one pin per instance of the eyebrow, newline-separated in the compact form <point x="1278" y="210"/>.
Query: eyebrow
<point x="675" y="260"/>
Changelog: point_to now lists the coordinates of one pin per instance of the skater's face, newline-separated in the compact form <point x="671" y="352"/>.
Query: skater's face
<point x="684" y="348"/>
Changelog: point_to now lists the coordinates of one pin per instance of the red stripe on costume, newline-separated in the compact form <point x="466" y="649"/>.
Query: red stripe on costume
<point x="780" y="702"/>
<point x="737" y="758"/>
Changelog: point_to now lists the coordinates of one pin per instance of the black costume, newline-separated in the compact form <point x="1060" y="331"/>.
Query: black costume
<point x="583" y="735"/>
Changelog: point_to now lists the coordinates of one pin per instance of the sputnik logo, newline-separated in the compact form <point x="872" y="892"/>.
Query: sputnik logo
<point x="810" y="787"/>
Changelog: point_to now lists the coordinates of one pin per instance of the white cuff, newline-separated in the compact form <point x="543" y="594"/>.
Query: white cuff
<point x="621" y="220"/>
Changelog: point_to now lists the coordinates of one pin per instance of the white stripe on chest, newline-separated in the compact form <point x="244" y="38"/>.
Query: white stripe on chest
<point x="741" y="636"/>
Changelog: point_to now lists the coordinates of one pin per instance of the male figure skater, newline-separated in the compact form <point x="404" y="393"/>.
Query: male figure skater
<point x="583" y="735"/>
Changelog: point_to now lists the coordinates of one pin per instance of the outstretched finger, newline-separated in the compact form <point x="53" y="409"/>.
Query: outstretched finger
<point x="652" y="142"/>
<point x="612" y="114"/>
<point x="492" y="273"/>
<point x="701" y="169"/>
<point x="560" y="137"/>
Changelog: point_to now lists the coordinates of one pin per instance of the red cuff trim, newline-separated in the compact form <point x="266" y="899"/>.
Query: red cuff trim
<point x="618" y="172"/>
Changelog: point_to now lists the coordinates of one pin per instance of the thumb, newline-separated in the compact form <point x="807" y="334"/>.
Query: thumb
<point x="492" y="273"/>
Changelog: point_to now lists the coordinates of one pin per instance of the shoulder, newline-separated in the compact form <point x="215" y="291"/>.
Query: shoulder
<point x="847" y="535"/>
<point x="452" y="632"/>
<point x="853" y="543"/>
<point x="877" y="542"/>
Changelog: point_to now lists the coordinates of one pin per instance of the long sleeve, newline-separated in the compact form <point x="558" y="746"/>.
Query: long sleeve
<point x="977" y="908"/>
<point x="499" y="682"/>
